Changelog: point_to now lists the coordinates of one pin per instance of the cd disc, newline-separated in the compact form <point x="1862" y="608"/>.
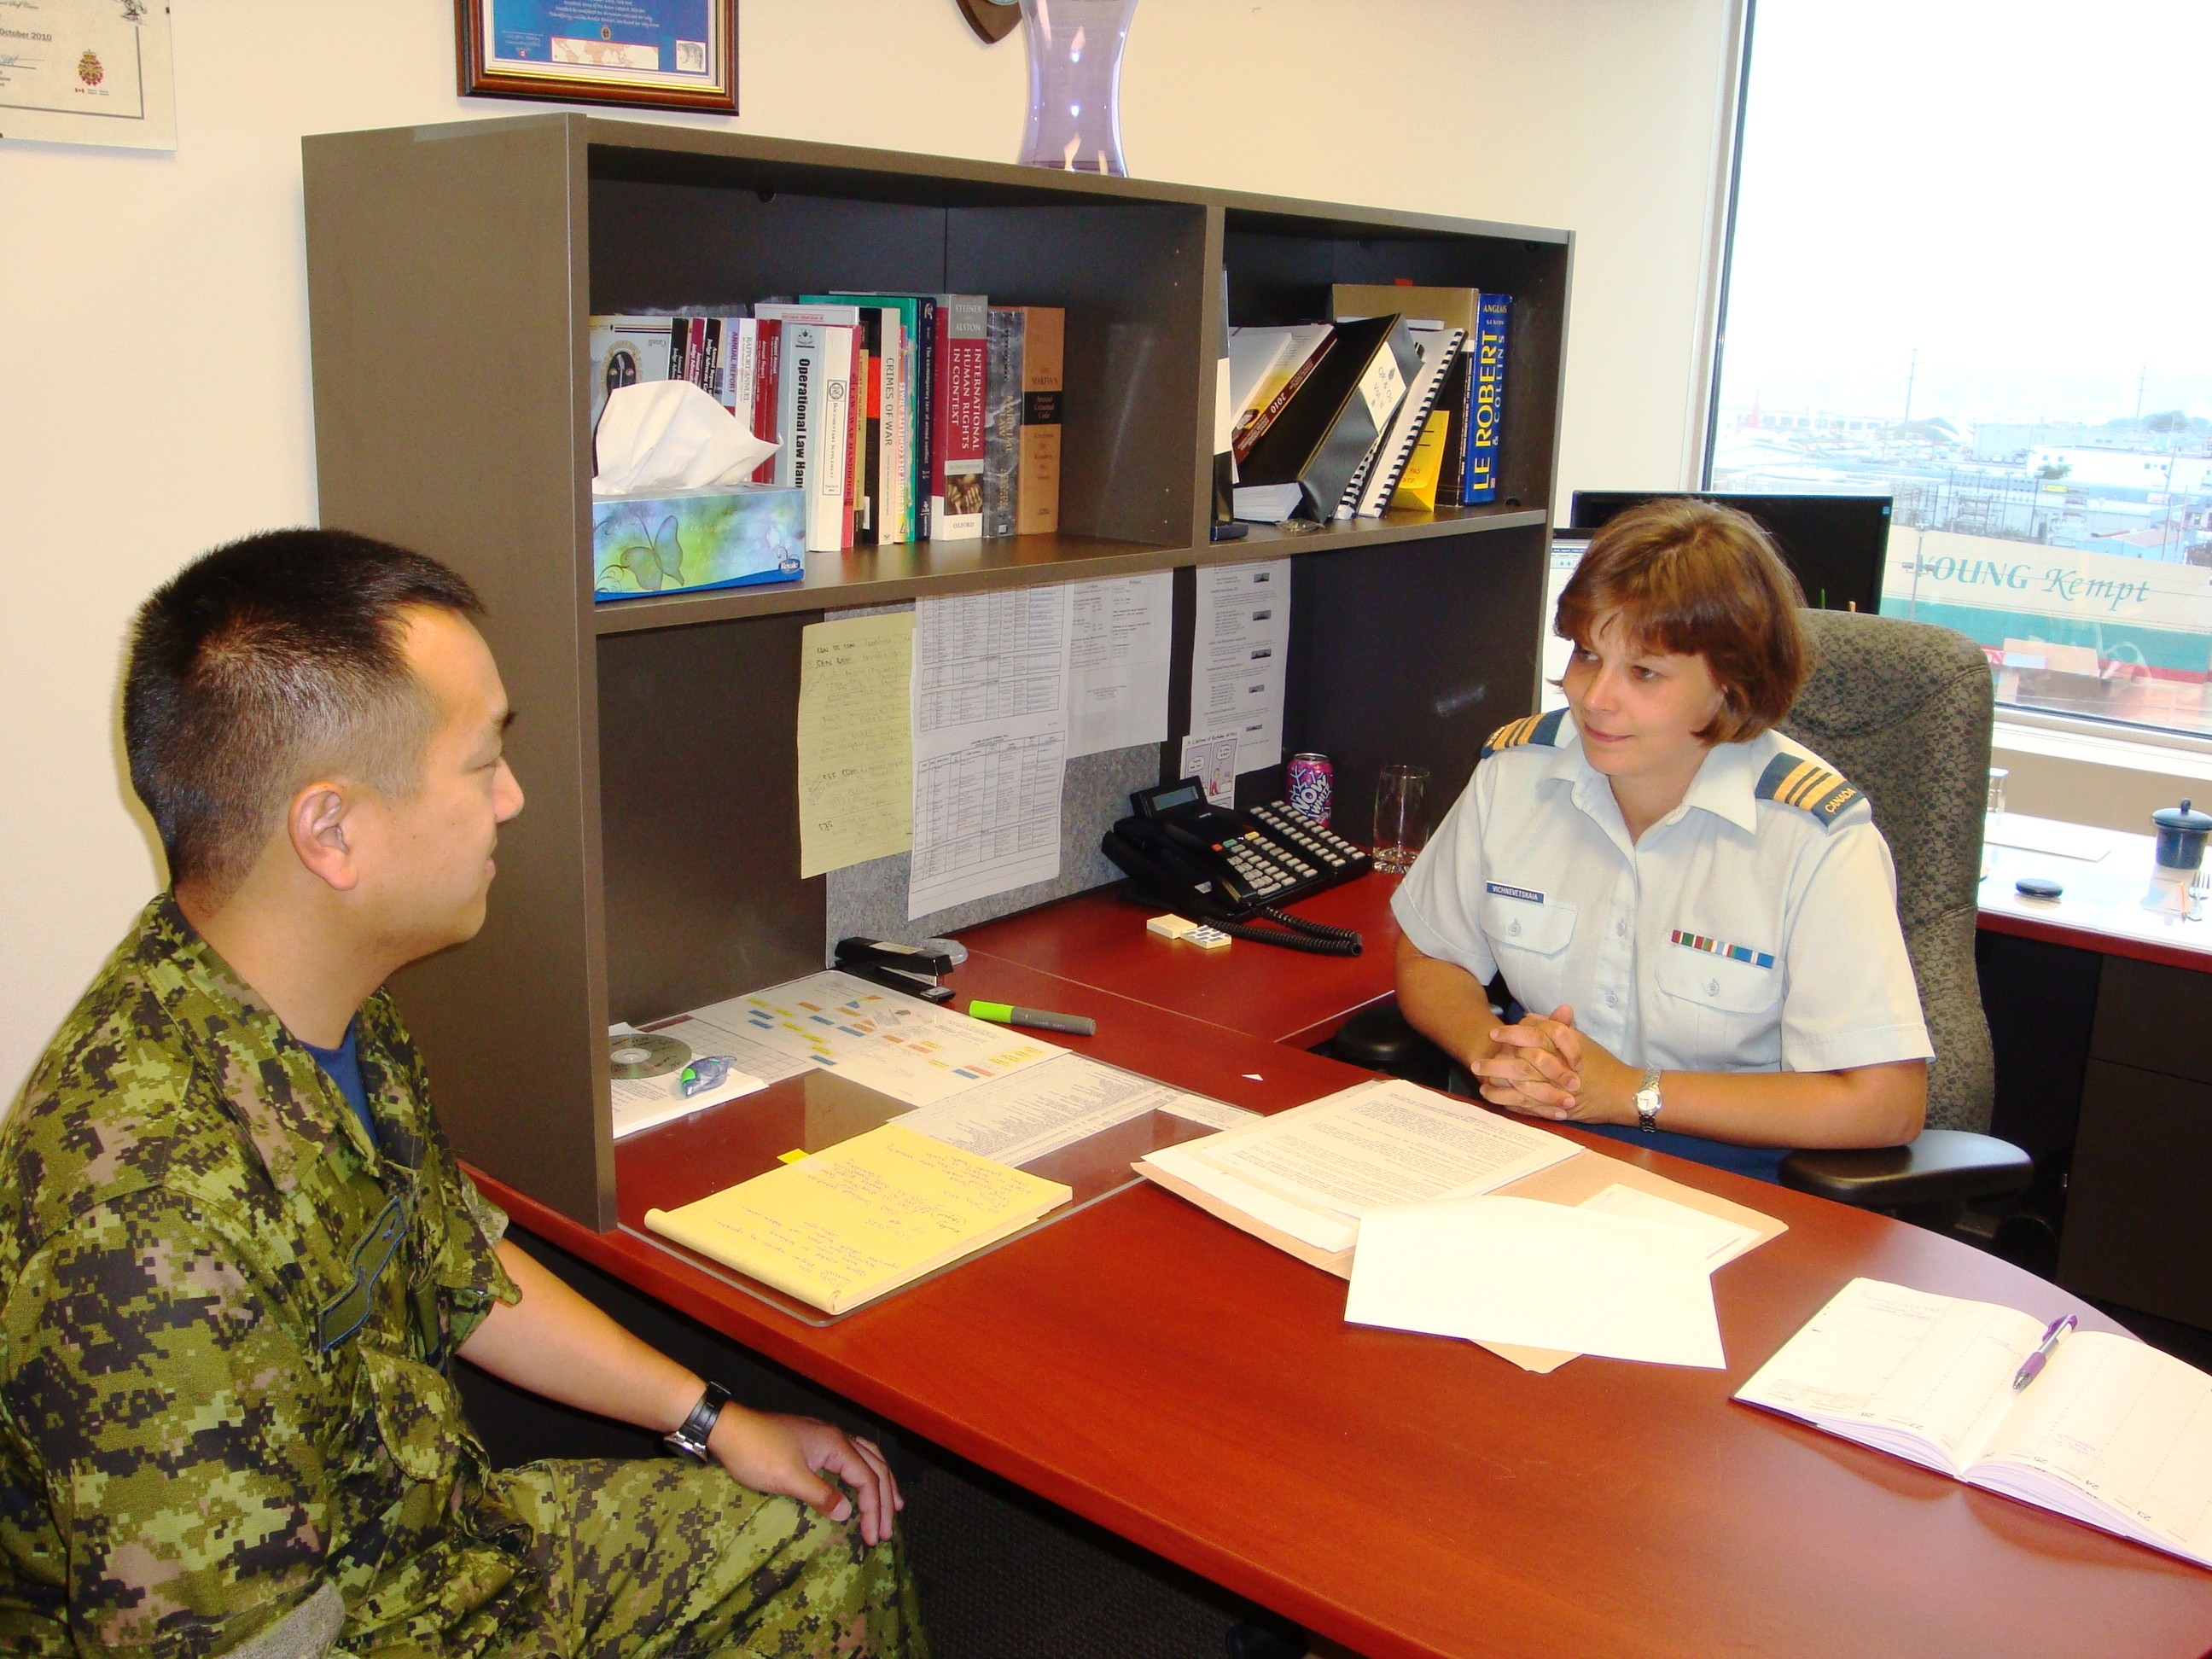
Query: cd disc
<point x="645" y="1054"/>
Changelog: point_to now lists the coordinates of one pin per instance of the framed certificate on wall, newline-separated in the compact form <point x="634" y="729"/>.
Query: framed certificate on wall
<point x="653" y="54"/>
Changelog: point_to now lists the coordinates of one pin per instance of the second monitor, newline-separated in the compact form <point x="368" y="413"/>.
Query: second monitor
<point x="1835" y="545"/>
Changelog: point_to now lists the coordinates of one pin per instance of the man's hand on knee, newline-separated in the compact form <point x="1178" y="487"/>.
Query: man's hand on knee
<point x="770" y="1452"/>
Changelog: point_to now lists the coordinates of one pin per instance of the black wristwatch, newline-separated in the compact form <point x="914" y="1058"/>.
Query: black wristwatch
<point x="689" y="1437"/>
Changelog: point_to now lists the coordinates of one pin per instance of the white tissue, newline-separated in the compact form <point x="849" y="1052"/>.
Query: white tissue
<point x="660" y="435"/>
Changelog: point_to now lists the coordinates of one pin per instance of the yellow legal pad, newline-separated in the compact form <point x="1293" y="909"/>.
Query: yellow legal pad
<point x="860" y="1218"/>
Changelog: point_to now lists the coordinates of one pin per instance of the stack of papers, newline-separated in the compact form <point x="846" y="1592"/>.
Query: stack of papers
<point x="849" y="1223"/>
<point x="1537" y="1275"/>
<point x="1315" y="1171"/>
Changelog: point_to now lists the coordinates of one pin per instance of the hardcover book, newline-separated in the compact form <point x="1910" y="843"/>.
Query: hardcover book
<point x="1021" y="480"/>
<point x="1489" y="345"/>
<point x="957" y="480"/>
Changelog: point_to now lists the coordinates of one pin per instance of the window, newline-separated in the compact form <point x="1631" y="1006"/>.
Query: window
<point x="1969" y="269"/>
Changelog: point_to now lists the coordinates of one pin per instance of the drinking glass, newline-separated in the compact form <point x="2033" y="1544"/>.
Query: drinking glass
<point x="1401" y="829"/>
<point x="1994" y="811"/>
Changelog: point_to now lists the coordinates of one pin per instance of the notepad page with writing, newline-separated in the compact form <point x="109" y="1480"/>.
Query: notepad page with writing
<point x="2116" y="1434"/>
<point x="1922" y="1376"/>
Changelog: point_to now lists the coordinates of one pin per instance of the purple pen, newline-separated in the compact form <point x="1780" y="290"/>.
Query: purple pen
<point x="2032" y="1367"/>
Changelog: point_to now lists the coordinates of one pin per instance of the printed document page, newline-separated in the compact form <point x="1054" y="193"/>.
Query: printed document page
<point x="1531" y="1275"/>
<point x="1719" y="1240"/>
<point x="1894" y="1367"/>
<point x="861" y="1217"/>
<point x="2118" y="1423"/>
<point x="1118" y="642"/>
<point x="855" y="740"/>
<point x="1384" y="1143"/>
<point x="1237" y="652"/>
<point x="1040" y="1109"/>
<point x="990" y="727"/>
<point x="896" y="1045"/>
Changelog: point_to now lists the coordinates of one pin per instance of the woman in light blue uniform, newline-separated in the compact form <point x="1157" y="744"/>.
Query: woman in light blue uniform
<point x="1697" y="912"/>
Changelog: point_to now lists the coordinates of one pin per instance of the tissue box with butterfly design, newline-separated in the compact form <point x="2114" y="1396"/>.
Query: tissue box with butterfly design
<point x="679" y="541"/>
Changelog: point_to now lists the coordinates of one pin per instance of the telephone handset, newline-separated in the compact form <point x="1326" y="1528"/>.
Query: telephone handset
<point x="1214" y="865"/>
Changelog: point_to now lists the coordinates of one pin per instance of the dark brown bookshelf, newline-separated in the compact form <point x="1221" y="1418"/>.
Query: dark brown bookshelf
<point x="451" y="269"/>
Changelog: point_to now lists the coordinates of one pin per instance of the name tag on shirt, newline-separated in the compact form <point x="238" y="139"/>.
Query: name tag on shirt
<point x="1527" y="894"/>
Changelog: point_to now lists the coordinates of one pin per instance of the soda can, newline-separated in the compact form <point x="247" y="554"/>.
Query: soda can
<point x="1312" y="782"/>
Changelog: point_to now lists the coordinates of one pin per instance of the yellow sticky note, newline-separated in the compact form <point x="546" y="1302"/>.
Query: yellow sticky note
<point x="855" y="745"/>
<point x="791" y="1156"/>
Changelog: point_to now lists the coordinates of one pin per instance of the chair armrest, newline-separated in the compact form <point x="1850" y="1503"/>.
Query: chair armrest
<point x="1944" y="1166"/>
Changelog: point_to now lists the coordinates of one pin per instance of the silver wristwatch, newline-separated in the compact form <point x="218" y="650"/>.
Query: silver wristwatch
<point x="689" y="1437"/>
<point x="1647" y="1102"/>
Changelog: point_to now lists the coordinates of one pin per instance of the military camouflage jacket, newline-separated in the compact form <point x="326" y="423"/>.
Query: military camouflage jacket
<point x="224" y="1320"/>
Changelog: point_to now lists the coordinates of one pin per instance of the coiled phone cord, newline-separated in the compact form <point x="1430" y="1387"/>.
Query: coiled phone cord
<point x="1295" y="933"/>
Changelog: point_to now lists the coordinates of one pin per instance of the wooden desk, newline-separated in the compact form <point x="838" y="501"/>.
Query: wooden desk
<point x="1199" y="1393"/>
<point x="2104" y="877"/>
<point x="1281" y="995"/>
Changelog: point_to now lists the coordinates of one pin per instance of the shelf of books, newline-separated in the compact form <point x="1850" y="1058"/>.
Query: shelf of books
<point x="667" y="395"/>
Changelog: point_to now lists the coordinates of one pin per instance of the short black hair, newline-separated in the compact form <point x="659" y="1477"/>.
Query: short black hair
<point x="262" y="663"/>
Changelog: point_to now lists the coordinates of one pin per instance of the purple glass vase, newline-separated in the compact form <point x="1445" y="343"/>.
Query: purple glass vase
<point x="1075" y="83"/>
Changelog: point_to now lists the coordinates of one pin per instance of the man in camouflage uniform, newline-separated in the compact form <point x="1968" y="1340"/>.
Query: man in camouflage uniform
<point x="233" y="1268"/>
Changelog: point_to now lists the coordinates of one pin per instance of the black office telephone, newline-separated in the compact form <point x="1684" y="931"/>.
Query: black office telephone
<point x="1228" y="869"/>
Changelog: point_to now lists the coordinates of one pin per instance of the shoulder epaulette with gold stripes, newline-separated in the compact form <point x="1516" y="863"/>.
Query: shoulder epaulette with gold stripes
<point x="1542" y="731"/>
<point x="1796" y="782"/>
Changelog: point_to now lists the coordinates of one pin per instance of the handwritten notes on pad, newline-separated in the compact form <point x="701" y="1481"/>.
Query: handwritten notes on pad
<point x="1537" y="1275"/>
<point x="856" y="751"/>
<point x="866" y="1216"/>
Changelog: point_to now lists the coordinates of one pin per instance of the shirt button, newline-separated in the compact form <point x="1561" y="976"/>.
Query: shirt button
<point x="1613" y="999"/>
<point x="1712" y="988"/>
<point x="1515" y="930"/>
<point x="1620" y="928"/>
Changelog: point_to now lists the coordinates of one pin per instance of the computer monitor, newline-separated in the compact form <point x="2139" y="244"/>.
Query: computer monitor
<point x="1836" y="545"/>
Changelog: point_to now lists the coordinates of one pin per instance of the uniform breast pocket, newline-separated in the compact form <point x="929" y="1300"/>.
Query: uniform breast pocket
<point x="1529" y="942"/>
<point x="1727" y="1013"/>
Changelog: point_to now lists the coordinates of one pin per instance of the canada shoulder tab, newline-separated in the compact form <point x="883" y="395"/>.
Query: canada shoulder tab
<point x="1793" y="780"/>
<point x="1537" y="731"/>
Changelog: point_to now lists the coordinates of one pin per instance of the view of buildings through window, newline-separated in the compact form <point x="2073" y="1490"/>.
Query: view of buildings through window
<point x="1972" y="269"/>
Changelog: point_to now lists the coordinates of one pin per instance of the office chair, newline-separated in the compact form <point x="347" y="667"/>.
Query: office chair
<point x="1904" y="710"/>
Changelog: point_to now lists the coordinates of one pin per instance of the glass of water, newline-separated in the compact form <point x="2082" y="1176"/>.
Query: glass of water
<point x="1402" y="827"/>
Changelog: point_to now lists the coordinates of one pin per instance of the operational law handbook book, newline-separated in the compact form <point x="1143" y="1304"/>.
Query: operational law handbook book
<point x="2113" y="1433"/>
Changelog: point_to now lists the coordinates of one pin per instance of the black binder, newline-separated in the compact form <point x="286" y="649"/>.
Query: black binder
<point x="1320" y="440"/>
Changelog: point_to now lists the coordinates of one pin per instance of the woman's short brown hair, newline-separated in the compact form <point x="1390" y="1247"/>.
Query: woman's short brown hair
<point x="1694" y="579"/>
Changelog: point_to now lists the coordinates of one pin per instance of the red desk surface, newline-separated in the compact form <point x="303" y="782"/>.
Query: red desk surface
<point x="1199" y="1393"/>
<point x="1263" y="990"/>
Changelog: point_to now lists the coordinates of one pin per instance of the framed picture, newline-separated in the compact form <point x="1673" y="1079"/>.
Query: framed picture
<point x="648" y="54"/>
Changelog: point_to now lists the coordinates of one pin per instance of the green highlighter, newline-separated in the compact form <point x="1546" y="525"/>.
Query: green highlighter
<point x="1005" y="1013"/>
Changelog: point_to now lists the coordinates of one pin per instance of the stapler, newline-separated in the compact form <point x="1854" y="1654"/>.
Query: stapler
<point x="912" y="969"/>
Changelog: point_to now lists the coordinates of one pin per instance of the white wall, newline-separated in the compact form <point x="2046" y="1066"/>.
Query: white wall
<point x="153" y="308"/>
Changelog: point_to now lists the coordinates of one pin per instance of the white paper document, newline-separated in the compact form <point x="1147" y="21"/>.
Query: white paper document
<point x="896" y="1045"/>
<point x="990" y="743"/>
<point x="1385" y="1143"/>
<point x="1719" y="1240"/>
<point x="1522" y="1271"/>
<point x="1118" y="646"/>
<point x="1214" y="1112"/>
<point x="1213" y="762"/>
<point x="1313" y="1171"/>
<point x="1239" y="647"/>
<point x="1040" y="1108"/>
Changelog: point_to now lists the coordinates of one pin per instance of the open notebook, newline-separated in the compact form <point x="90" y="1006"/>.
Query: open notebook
<point x="2113" y="1433"/>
